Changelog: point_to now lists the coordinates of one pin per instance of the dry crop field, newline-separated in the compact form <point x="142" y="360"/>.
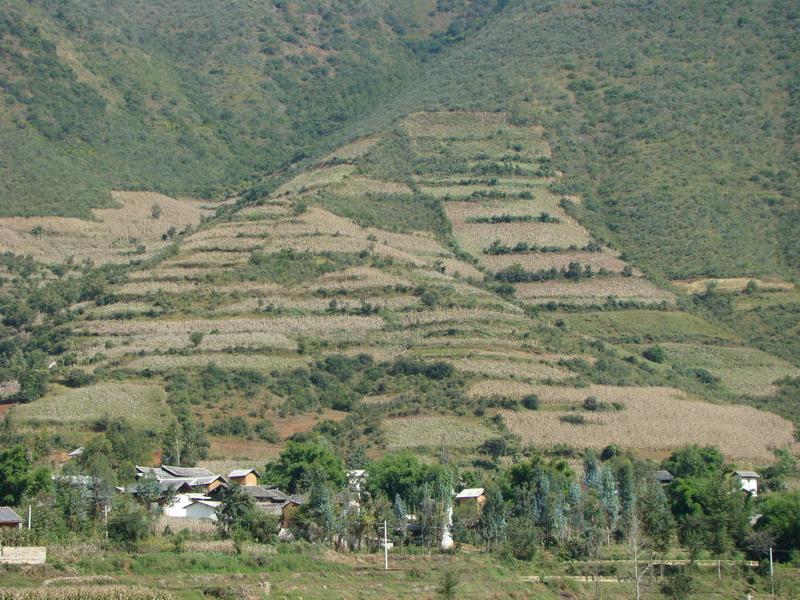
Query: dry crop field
<point x="731" y="284"/>
<point x="657" y="421"/>
<point x="113" y="236"/>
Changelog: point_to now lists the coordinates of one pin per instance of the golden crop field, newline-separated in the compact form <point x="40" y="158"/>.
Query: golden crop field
<point x="658" y="422"/>
<point x="565" y="396"/>
<point x="353" y="150"/>
<point x="358" y="186"/>
<point x="453" y="315"/>
<point x="595" y="290"/>
<point x="113" y="236"/>
<point x="283" y="325"/>
<point x="138" y="289"/>
<point x="139" y="403"/>
<point x="535" y="261"/>
<point x="515" y="369"/>
<point x="256" y="362"/>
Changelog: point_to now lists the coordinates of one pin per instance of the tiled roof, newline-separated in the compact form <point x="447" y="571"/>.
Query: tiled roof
<point x="9" y="515"/>
<point x="470" y="493"/>
<point x="241" y="473"/>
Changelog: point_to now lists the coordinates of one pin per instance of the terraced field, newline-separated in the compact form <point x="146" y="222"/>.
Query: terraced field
<point x="393" y="254"/>
<point x="497" y="196"/>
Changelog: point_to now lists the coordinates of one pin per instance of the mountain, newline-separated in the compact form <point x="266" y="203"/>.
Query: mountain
<point x="439" y="216"/>
<point x="678" y="125"/>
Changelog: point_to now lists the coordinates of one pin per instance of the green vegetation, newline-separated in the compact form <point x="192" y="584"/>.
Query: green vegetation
<point x="99" y="97"/>
<point x="391" y="212"/>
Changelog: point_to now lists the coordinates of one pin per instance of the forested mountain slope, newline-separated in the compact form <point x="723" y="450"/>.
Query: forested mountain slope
<point x="677" y="122"/>
<point x="192" y="98"/>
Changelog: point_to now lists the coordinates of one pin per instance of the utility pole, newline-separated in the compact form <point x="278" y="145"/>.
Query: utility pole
<point x="771" y="572"/>
<point x="385" y="547"/>
<point x="29" y="517"/>
<point x="105" y="514"/>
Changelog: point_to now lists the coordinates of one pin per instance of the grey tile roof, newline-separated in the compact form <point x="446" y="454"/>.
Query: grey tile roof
<point x="263" y="493"/>
<point x="241" y="472"/>
<point x="9" y="515"/>
<point x="187" y="471"/>
<point x="663" y="475"/>
<point x="748" y="474"/>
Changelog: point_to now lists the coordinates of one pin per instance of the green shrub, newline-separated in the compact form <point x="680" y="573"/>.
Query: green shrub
<point x="655" y="354"/>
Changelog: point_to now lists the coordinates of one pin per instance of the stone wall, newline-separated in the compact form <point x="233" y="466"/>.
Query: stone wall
<point x="23" y="555"/>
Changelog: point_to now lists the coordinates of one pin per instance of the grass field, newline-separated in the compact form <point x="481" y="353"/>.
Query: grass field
<point x="141" y="404"/>
<point x="434" y="432"/>
<point x="646" y="325"/>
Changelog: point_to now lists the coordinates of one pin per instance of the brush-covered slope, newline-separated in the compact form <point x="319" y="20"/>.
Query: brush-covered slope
<point x="677" y="123"/>
<point x="191" y="98"/>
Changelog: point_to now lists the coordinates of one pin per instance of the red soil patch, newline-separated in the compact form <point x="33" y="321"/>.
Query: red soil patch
<point x="288" y="426"/>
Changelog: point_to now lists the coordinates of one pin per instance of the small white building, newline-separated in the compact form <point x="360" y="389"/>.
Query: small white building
<point x="180" y="504"/>
<point x="202" y="509"/>
<point x="748" y="481"/>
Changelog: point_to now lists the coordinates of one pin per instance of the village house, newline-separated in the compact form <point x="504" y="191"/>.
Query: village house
<point x="243" y="477"/>
<point x="748" y="480"/>
<point x="179" y="503"/>
<point x="476" y="495"/>
<point x="663" y="476"/>
<point x="9" y="519"/>
<point x="202" y="509"/>
<point x="182" y="479"/>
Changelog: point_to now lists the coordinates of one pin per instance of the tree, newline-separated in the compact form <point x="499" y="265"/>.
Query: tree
<point x="128" y="525"/>
<point x="654" y="516"/>
<point x="195" y="338"/>
<point x="679" y="586"/>
<point x="530" y="401"/>
<point x="448" y="584"/>
<point x="238" y="517"/>
<point x="319" y="508"/>
<point x="298" y="460"/>
<point x="641" y="553"/>
<point x="780" y="515"/>
<point x="694" y="461"/>
<point x="655" y="354"/>
<point x="523" y="539"/>
<point x="610" y="499"/>
<point x="495" y="448"/>
<point x="591" y="471"/>
<point x="627" y="495"/>
<point x="18" y="477"/>
<point x="493" y="523"/>
<point x="394" y="475"/>
<point x="148" y="488"/>
<point x="155" y="211"/>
